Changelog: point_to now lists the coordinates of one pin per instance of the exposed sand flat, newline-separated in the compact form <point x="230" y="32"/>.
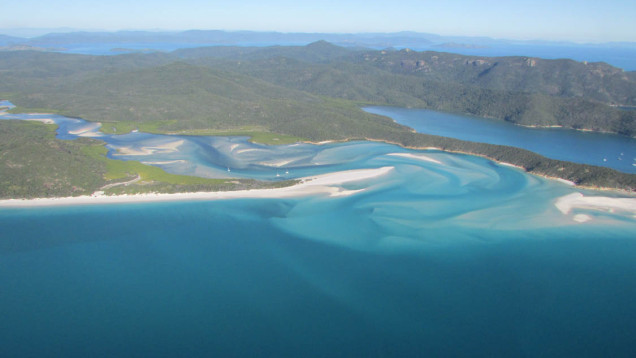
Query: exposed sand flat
<point x="279" y="163"/>
<point x="581" y="218"/>
<point x="165" y="162"/>
<point x="90" y="130"/>
<point x="415" y="156"/>
<point x="42" y="120"/>
<point x="133" y="151"/>
<point x="241" y="151"/>
<point x="317" y="185"/>
<point x="345" y="176"/>
<point x="170" y="147"/>
<point x="566" y="203"/>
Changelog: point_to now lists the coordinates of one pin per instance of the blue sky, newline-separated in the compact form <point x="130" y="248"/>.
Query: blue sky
<point x="580" y="20"/>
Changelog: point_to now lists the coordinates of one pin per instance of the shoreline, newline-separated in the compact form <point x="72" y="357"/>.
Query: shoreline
<point x="506" y="164"/>
<point x="324" y="184"/>
<point x="171" y="147"/>
<point x="327" y="185"/>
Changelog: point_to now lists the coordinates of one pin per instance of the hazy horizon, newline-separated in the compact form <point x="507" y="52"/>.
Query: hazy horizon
<point x="28" y="33"/>
<point x="583" y="21"/>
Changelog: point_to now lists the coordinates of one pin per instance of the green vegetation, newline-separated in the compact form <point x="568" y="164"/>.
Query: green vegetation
<point x="256" y="134"/>
<point x="32" y="110"/>
<point x="282" y="95"/>
<point x="34" y="164"/>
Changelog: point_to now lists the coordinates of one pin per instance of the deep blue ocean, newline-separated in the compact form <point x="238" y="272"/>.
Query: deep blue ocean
<point x="444" y="255"/>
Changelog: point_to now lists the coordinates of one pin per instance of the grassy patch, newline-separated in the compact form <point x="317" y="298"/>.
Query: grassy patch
<point x="119" y="169"/>
<point x="127" y="127"/>
<point x="261" y="137"/>
<point x="18" y="109"/>
<point x="256" y="134"/>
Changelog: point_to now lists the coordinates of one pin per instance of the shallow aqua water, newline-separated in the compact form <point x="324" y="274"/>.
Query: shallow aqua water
<point x="445" y="255"/>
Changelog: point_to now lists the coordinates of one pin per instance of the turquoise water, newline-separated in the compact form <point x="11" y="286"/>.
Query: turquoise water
<point x="601" y="149"/>
<point x="444" y="255"/>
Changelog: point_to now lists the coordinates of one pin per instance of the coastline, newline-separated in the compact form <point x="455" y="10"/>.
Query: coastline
<point x="324" y="184"/>
<point x="172" y="146"/>
<point x="328" y="185"/>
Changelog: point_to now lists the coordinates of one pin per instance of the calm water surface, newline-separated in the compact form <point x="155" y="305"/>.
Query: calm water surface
<point x="607" y="150"/>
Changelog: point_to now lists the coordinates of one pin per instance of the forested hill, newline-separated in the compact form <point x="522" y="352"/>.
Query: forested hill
<point x="315" y="92"/>
<point x="525" y="91"/>
<point x="563" y="78"/>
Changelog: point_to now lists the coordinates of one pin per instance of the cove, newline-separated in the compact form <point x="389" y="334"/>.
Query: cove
<point x="607" y="150"/>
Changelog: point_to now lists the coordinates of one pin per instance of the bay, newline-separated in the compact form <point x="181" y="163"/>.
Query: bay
<point x="601" y="149"/>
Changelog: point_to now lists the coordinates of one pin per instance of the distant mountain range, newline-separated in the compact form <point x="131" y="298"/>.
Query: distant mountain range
<point x="215" y="37"/>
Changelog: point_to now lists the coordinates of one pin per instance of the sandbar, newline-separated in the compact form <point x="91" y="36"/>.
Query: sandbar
<point x="279" y="163"/>
<point x="324" y="184"/>
<point x="89" y="130"/>
<point x="566" y="203"/>
<point x="415" y="156"/>
<point x="170" y="147"/>
<point x="42" y="120"/>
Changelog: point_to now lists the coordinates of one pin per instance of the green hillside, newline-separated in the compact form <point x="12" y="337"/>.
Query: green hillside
<point x="284" y="94"/>
<point x="34" y="164"/>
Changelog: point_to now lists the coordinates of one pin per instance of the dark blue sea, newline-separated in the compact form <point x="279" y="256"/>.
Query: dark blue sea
<point x="441" y="255"/>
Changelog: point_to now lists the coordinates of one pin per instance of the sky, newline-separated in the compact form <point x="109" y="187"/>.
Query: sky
<point x="569" y="20"/>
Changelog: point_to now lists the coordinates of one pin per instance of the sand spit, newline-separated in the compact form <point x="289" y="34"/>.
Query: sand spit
<point x="277" y="164"/>
<point x="566" y="203"/>
<point x="325" y="184"/>
<point x="41" y="120"/>
<point x="89" y="130"/>
<point x="167" y="162"/>
<point x="416" y="157"/>
<point x="170" y="147"/>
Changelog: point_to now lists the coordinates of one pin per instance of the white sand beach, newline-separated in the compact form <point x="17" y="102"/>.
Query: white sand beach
<point x="278" y="163"/>
<point x="325" y="184"/>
